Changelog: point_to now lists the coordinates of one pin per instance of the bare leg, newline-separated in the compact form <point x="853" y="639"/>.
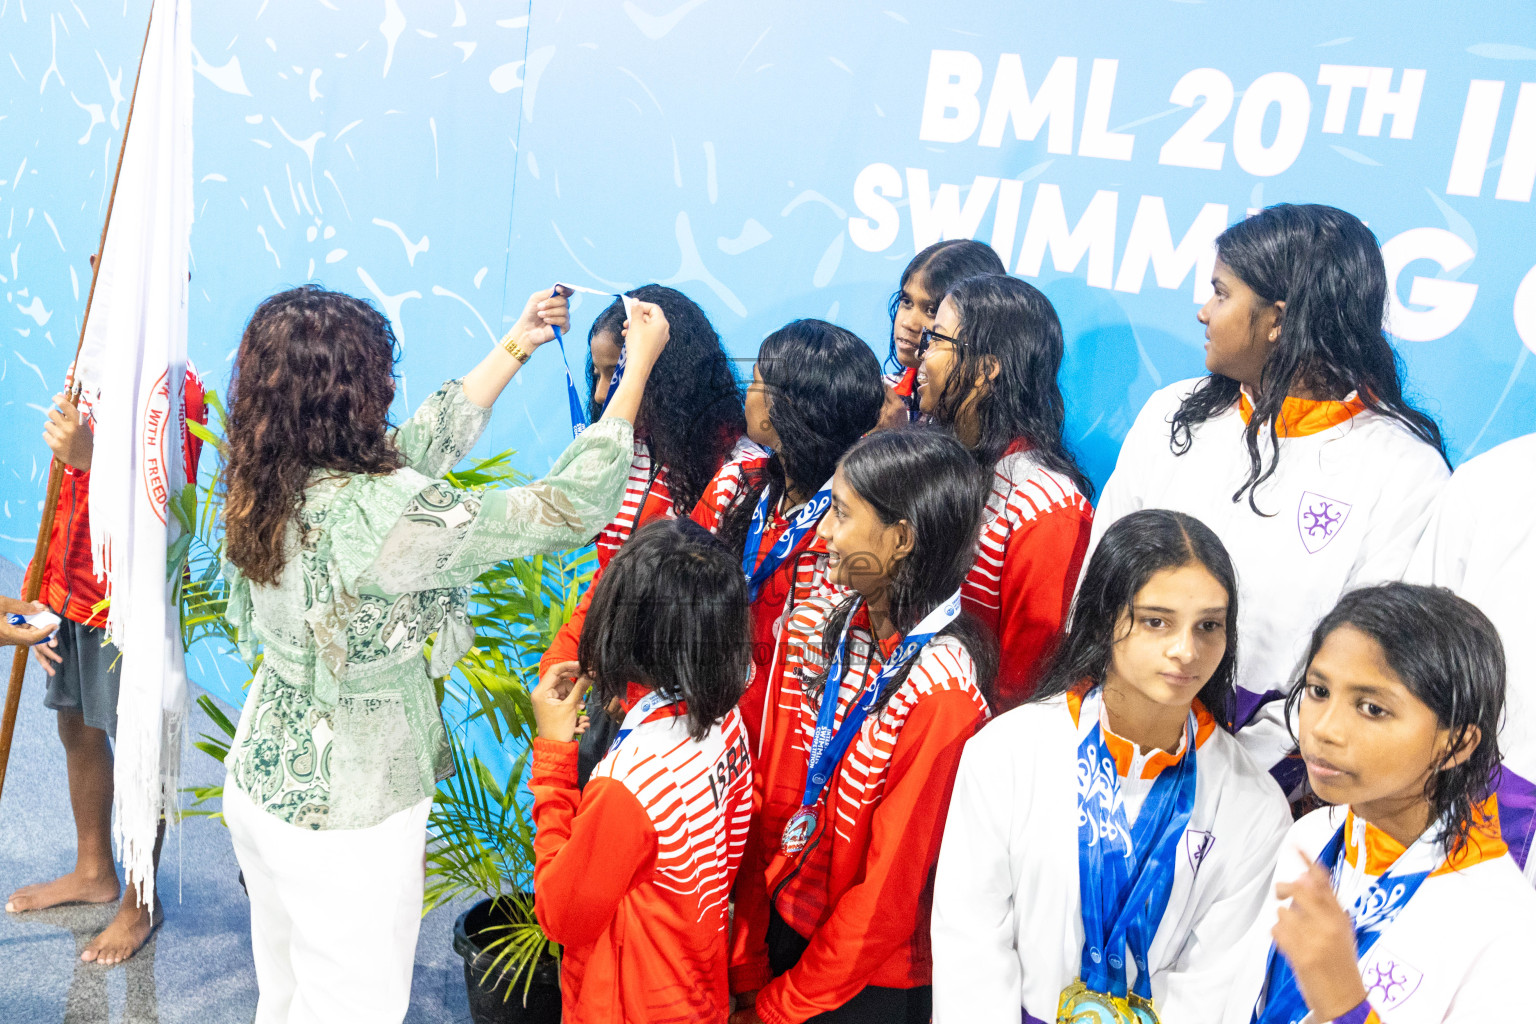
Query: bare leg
<point x="130" y="929"/>
<point x="88" y="756"/>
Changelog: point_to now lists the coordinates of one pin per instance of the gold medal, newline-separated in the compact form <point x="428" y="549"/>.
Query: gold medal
<point x="1141" y="1009"/>
<point x="1081" y="1005"/>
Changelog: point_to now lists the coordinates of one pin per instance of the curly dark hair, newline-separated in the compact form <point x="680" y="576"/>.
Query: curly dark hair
<point x="1326" y="266"/>
<point x="826" y="393"/>
<point x="691" y="414"/>
<point x="1011" y="322"/>
<point x="1448" y="654"/>
<point x="314" y="378"/>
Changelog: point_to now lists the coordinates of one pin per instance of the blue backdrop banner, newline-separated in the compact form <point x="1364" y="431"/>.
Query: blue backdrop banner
<point x="445" y="159"/>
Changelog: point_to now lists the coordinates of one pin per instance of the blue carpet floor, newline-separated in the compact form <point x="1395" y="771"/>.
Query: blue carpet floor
<point x="196" y="968"/>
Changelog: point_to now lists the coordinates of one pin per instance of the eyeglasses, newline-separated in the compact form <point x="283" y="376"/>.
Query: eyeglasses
<point x="928" y="337"/>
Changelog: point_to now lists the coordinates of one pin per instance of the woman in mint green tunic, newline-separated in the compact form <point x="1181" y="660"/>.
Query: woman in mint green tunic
<point x="346" y="551"/>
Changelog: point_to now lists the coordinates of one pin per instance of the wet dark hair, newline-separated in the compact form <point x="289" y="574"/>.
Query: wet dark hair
<point x="938" y="268"/>
<point x="1449" y="656"/>
<point x="825" y="392"/>
<point x="670" y="613"/>
<point x="1326" y="266"/>
<point x="1011" y="321"/>
<point x="314" y="378"/>
<point x="1131" y="552"/>
<point x="691" y="414"/>
<point x="923" y="476"/>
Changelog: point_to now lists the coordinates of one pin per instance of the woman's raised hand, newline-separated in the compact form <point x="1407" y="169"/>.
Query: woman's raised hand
<point x="541" y="315"/>
<point x="645" y="334"/>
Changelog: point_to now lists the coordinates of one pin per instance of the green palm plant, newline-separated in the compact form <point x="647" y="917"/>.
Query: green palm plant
<point x="480" y="829"/>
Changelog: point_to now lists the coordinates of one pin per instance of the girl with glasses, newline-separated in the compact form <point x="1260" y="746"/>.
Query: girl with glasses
<point x="929" y="275"/>
<point x="988" y="372"/>
<point x="1299" y="447"/>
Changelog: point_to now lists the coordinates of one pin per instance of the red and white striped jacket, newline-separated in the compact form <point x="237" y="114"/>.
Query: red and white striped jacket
<point x="1033" y="536"/>
<point x="802" y="576"/>
<point x="646" y="497"/>
<point x="862" y="889"/>
<point x="644" y="501"/>
<point x="632" y="874"/>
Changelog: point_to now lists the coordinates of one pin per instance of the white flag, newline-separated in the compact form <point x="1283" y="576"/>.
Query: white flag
<point x="133" y="368"/>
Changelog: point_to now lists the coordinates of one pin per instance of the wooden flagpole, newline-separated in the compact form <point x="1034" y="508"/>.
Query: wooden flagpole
<point x="34" y="582"/>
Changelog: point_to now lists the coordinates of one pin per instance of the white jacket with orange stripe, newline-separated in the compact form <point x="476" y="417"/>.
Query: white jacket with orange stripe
<point x="1345" y="508"/>
<point x="1007" y="915"/>
<point x="1460" y="952"/>
<point x="1481" y="543"/>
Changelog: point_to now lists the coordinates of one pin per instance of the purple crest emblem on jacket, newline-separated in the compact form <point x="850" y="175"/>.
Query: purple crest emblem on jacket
<point x="1319" y="519"/>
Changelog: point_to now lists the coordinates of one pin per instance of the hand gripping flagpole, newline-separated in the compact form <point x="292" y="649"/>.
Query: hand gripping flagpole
<point x="34" y="582"/>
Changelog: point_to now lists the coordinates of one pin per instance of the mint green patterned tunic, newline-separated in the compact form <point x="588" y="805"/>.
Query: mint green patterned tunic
<point x="341" y="727"/>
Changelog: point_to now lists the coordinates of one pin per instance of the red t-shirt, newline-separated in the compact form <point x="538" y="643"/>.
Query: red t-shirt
<point x="70" y="586"/>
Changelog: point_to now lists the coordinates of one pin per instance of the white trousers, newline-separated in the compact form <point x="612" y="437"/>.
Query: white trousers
<point x="334" y="913"/>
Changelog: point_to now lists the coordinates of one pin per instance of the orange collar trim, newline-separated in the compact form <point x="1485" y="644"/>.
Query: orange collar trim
<point x="1124" y="750"/>
<point x="1300" y="417"/>
<point x="1381" y="850"/>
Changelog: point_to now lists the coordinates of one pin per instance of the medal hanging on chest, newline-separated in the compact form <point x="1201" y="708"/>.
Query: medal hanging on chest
<point x="829" y="746"/>
<point x="1125" y="876"/>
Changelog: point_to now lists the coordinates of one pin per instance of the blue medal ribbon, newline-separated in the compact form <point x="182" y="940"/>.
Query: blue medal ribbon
<point x="827" y="748"/>
<point x="1281" y="1001"/>
<point x="579" y="420"/>
<point x="805" y="520"/>
<point x="1125" y="873"/>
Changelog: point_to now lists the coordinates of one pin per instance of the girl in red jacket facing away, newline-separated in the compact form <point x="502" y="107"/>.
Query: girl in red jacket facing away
<point x="872" y="700"/>
<point x="632" y="874"/>
<point x="927" y="278"/>
<point x="989" y="372"/>
<point x="815" y="390"/>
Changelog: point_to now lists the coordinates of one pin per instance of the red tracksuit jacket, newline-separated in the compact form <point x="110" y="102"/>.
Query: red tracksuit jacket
<point x="862" y="893"/>
<point x="632" y="874"/>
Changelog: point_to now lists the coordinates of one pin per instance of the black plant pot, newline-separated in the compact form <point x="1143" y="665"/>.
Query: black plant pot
<point x="496" y="998"/>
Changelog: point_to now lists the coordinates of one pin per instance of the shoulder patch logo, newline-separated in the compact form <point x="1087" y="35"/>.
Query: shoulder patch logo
<point x="1319" y="519"/>
<point x="1197" y="845"/>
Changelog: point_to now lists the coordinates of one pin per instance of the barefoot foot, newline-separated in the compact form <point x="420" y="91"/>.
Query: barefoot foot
<point x="75" y="887"/>
<point x="122" y="938"/>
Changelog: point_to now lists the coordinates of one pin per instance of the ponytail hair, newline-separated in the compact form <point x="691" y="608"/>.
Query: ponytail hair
<point x="1326" y="266"/>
